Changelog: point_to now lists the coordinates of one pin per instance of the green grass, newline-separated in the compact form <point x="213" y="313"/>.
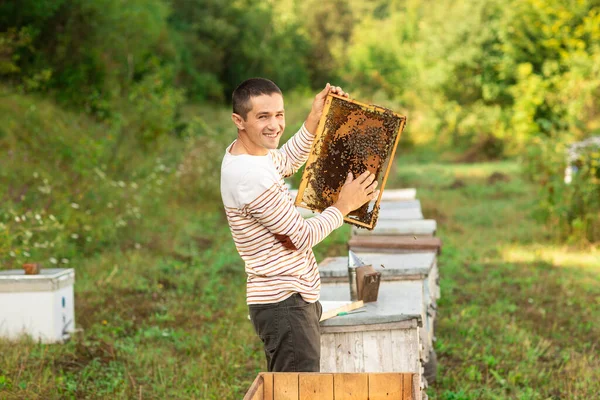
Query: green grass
<point x="518" y="314"/>
<point x="167" y="319"/>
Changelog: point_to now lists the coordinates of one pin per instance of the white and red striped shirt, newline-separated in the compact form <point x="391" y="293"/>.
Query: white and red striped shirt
<point x="258" y="207"/>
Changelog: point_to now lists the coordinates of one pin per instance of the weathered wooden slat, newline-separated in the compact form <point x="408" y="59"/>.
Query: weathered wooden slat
<point x="407" y="340"/>
<point x="268" y="388"/>
<point x="389" y="244"/>
<point x="349" y="352"/>
<point x="256" y="390"/>
<point x="377" y="351"/>
<point x="285" y="386"/>
<point x="407" y="387"/>
<point x="315" y="386"/>
<point x="386" y="386"/>
<point x="408" y="323"/>
<point x="328" y="352"/>
<point x="351" y="386"/>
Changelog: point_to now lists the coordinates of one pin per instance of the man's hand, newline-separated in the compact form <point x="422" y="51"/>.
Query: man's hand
<point x="318" y="105"/>
<point x="356" y="192"/>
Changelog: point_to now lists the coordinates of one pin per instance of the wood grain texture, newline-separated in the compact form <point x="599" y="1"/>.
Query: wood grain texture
<point x="407" y="387"/>
<point x="351" y="386"/>
<point x="386" y="386"/>
<point x="367" y="243"/>
<point x="256" y="389"/>
<point x="378" y="351"/>
<point x="315" y="386"/>
<point x="328" y="353"/>
<point x="349" y="352"/>
<point x="285" y="386"/>
<point x="348" y="307"/>
<point x="405" y="350"/>
<point x="268" y="385"/>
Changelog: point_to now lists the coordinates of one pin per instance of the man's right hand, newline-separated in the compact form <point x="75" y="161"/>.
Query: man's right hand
<point x="356" y="192"/>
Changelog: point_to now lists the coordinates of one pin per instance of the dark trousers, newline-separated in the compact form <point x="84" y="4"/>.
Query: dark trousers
<point x="290" y="334"/>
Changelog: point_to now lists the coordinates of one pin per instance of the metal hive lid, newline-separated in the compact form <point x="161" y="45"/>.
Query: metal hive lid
<point x="15" y="280"/>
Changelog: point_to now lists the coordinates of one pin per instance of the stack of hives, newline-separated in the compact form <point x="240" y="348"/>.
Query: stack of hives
<point x="396" y="333"/>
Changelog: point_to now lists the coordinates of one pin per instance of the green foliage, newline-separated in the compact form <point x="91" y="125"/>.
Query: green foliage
<point x="572" y="209"/>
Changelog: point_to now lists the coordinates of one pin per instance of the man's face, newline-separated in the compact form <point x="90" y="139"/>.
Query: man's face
<point x="264" y="124"/>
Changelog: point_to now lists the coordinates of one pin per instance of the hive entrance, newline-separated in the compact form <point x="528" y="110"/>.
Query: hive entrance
<point x="351" y="137"/>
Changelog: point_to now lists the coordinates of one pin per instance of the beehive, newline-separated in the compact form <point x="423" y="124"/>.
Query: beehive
<point x="324" y="386"/>
<point x="351" y="137"/>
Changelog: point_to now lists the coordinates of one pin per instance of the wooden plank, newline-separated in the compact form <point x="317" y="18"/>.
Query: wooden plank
<point x="285" y="386"/>
<point x="268" y="388"/>
<point x="349" y="352"/>
<point x="345" y="308"/>
<point x="406" y="324"/>
<point x="377" y="350"/>
<point x="407" y="387"/>
<point x="328" y="352"/>
<point x="400" y="214"/>
<point x="405" y="350"/>
<point x="351" y="386"/>
<point x="365" y="243"/>
<point x="256" y="389"/>
<point x="315" y="386"/>
<point x="386" y="386"/>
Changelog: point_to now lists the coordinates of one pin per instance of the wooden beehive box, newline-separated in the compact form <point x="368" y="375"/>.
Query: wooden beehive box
<point x="351" y="137"/>
<point x="409" y="283"/>
<point x="324" y="386"/>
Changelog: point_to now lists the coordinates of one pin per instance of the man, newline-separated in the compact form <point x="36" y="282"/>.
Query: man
<point x="272" y="238"/>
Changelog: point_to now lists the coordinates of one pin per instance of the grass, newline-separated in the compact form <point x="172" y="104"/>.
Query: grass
<point x="517" y="318"/>
<point x="517" y="315"/>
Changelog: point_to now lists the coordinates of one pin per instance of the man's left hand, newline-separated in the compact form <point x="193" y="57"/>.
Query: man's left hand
<point x="319" y="104"/>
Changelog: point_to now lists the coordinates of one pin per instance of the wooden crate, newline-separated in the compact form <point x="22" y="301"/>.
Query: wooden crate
<point x="351" y="137"/>
<point x="325" y="386"/>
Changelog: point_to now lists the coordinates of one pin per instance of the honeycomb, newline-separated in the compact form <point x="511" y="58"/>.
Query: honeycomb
<point x="355" y="137"/>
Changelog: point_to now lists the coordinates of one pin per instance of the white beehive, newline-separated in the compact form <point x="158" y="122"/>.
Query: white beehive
<point x="41" y="306"/>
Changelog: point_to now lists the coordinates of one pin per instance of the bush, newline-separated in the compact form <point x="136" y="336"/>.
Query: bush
<point x="572" y="211"/>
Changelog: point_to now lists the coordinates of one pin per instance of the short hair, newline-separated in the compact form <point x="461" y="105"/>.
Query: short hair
<point x="252" y="87"/>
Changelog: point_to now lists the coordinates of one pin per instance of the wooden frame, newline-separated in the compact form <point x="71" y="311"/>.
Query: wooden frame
<point x="323" y="386"/>
<point x="371" y="150"/>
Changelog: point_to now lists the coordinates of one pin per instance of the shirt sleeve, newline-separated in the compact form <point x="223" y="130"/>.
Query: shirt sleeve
<point x="274" y="209"/>
<point x="294" y="153"/>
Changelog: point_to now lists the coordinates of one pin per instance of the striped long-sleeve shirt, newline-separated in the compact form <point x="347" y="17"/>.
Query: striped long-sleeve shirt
<point x="261" y="212"/>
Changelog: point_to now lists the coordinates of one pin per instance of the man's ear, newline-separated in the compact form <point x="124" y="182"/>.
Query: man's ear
<point x="238" y="121"/>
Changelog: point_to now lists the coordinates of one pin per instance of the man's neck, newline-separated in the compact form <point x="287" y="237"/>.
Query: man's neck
<point x="239" y="147"/>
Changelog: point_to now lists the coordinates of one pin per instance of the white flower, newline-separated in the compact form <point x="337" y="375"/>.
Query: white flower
<point x="12" y="254"/>
<point x="53" y="260"/>
<point x="138" y="246"/>
<point x="38" y="217"/>
<point x="134" y="185"/>
<point x="74" y="236"/>
<point x="110" y="205"/>
<point x="17" y="219"/>
<point x="64" y="261"/>
<point x="35" y="175"/>
<point x="75" y="205"/>
<point x="121" y="184"/>
<point x="52" y="217"/>
<point x="23" y="217"/>
<point x="26" y="254"/>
